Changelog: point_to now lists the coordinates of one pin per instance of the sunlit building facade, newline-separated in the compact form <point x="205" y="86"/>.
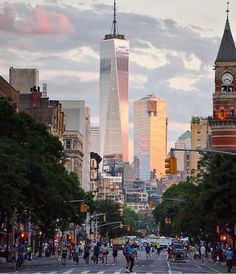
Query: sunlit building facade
<point x="114" y="76"/>
<point x="150" y="136"/>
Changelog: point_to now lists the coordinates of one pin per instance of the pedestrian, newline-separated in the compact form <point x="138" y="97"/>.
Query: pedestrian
<point x="203" y="252"/>
<point x="127" y="254"/>
<point x="114" y="253"/>
<point x="28" y="252"/>
<point x="132" y="258"/>
<point x="64" y="255"/>
<point x="229" y="258"/>
<point x="105" y="252"/>
<point x="77" y="247"/>
<point x="168" y="253"/>
<point x="158" y="247"/>
<point x="86" y="253"/>
<point x="96" y="251"/>
<point x="148" y="252"/>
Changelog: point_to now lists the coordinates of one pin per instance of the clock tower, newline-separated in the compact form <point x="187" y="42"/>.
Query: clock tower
<point x="223" y="122"/>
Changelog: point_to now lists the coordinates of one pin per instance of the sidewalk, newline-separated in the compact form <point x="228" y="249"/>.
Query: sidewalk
<point x="35" y="262"/>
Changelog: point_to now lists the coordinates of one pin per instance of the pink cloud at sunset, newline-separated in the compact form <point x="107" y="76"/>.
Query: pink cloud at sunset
<point x="40" y="21"/>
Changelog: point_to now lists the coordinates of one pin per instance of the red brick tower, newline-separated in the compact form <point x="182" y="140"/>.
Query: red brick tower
<point x="223" y="122"/>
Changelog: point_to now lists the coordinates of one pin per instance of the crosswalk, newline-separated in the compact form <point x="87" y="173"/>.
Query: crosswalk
<point x="73" y="270"/>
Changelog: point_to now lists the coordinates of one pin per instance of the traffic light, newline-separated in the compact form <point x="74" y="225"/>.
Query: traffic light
<point x="84" y="208"/>
<point x="121" y="226"/>
<point x="68" y="237"/>
<point x="167" y="220"/>
<point x="104" y="218"/>
<point x="171" y="165"/>
<point x="128" y="228"/>
<point x="223" y="238"/>
<point x="151" y="204"/>
<point x="218" y="229"/>
<point x="22" y="235"/>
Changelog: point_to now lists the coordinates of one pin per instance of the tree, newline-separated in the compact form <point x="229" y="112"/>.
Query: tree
<point x="33" y="180"/>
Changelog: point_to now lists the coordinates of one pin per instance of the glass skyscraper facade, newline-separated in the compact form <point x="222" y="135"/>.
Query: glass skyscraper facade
<point x="150" y="136"/>
<point x="114" y="77"/>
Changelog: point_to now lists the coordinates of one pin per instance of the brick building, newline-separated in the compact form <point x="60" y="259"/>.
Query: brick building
<point x="43" y="111"/>
<point x="223" y="122"/>
<point x="6" y="90"/>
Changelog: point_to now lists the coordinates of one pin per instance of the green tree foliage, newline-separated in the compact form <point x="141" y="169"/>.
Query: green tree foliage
<point x="33" y="179"/>
<point x="208" y="200"/>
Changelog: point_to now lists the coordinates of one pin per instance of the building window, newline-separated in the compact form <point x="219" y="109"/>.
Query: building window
<point x="68" y="144"/>
<point x="222" y="114"/>
<point x="232" y="113"/>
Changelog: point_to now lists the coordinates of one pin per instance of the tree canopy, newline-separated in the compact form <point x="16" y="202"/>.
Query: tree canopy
<point x="33" y="179"/>
<point x="208" y="200"/>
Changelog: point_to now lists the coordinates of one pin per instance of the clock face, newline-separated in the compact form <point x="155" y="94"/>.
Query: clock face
<point x="227" y="78"/>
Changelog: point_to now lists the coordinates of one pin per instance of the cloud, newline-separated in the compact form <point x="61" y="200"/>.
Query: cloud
<point x="40" y="21"/>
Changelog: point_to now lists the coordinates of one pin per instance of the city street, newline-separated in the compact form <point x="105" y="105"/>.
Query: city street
<point x="158" y="264"/>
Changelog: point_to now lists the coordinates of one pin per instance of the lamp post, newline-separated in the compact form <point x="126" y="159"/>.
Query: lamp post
<point x="96" y="223"/>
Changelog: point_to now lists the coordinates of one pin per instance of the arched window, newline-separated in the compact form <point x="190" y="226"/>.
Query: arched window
<point x="232" y="113"/>
<point x="222" y="114"/>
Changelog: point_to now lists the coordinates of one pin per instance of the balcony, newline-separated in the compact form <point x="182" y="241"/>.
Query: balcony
<point x="226" y="122"/>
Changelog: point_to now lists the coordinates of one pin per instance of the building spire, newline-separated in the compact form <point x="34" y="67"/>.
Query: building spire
<point x="114" y="19"/>
<point x="227" y="51"/>
<point x="227" y="25"/>
<point x="114" y="30"/>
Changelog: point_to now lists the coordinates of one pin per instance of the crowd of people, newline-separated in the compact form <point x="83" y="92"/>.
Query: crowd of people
<point x="98" y="252"/>
<point x="214" y="254"/>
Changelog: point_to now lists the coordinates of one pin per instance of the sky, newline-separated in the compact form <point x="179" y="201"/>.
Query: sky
<point x="173" y="46"/>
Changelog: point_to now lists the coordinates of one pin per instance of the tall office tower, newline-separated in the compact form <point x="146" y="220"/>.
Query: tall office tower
<point x="200" y="134"/>
<point x="77" y="119"/>
<point x="183" y="157"/>
<point x="24" y="80"/>
<point x="114" y="76"/>
<point x="150" y="136"/>
<point x="223" y="122"/>
<point x="95" y="140"/>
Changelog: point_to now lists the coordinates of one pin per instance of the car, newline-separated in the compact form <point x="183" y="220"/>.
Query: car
<point x="177" y="251"/>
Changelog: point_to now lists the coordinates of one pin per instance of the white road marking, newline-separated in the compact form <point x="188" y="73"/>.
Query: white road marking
<point x="69" y="271"/>
<point x="101" y="272"/>
<point x="116" y="272"/>
<point x="169" y="267"/>
<point x="84" y="272"/>
<point x="212" y="268"/>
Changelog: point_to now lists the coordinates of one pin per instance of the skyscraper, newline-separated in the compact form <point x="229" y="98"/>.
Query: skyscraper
<point x="150" y="136"/>
<point x="114" y="76"/>
<point x="95" y="140"/>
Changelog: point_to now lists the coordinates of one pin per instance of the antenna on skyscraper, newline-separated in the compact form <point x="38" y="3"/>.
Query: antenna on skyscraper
<point x="114" y="30"/>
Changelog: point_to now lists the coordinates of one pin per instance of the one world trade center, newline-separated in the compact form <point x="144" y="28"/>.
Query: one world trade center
<point x="114" y="78"/>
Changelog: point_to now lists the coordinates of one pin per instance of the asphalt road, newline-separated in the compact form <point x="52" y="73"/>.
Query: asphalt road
<point x="157" y="264"/>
